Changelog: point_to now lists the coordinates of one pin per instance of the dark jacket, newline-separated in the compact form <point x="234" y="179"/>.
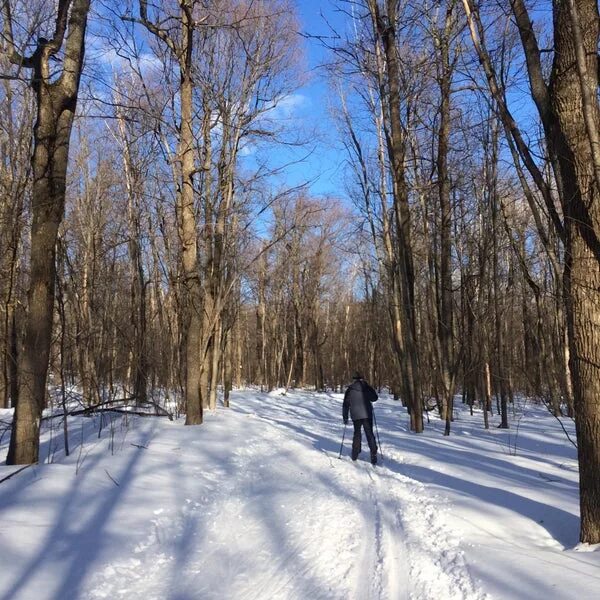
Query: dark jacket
<point x="358" y="399"/>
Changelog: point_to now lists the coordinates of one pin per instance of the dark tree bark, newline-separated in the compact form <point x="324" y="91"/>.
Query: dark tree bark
<point x="182" y="50"/>
<point x="568" y="108"/>
<point x="445" y="304"/>
<point x="133" y="184"/>
<point x="186" y="219"/>
<point x="385" y="27"/>
<point x="260" y="320"/>
<point x="56" y="104"/>
<point x="581" y="206"/>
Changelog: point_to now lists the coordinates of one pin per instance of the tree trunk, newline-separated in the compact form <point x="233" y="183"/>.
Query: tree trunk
<point x="187" y="228"/>
<point x="228" y="367"/>
<point x="498" y="317"/>
<point x="582" y="219"/>
<point x="445" y="319"/>
<point x="138" y="284"/>
<point x="215" y="363"/>
<point x="260" y="321"/>
<point x="385" y="26"/>
<point x="56" y="104"/>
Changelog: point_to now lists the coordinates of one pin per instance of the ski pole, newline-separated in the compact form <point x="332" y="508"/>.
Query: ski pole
<point x="342" y="445"/>
<point x="377" y="432"/>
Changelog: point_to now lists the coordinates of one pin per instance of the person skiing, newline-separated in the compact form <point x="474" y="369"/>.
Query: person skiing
<point x="358" y="401"/>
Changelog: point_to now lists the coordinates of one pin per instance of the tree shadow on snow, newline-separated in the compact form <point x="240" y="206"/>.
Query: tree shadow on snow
<point x="561" y="525"/>
<point x="74" y="542"/>
<point x="308" y="420"/>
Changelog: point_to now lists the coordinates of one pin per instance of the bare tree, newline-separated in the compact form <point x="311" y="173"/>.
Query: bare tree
<point x="568" y="109"/>
<point x="56" y="98"/>
<point x="16" y="106"/>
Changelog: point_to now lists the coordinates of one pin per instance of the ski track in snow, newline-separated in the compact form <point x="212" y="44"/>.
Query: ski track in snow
<point x="255" y="505"/>
<point x="437" y="565"/>
<point x="390" y="538"/>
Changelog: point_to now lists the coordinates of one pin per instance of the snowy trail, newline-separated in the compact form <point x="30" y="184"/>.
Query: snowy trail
<point x="295" y="501"/>
<point x="390" y="577"/>
<point x="255" y="504"/>
<point x="388" y="567"/>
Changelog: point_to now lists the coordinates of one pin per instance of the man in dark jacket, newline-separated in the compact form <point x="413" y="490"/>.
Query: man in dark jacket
<point x="358" y="401"/>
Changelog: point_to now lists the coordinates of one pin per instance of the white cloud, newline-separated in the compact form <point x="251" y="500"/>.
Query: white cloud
<point x="99" y="50"/>
<point x="286" y="107"/>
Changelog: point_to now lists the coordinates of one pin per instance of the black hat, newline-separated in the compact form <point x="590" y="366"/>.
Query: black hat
<point x="357" y="375"/>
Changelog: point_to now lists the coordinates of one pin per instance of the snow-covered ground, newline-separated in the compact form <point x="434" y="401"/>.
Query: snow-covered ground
<point x="255" y="504"/>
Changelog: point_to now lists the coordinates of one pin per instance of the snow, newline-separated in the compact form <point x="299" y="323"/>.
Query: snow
<point x="255" y="504"/>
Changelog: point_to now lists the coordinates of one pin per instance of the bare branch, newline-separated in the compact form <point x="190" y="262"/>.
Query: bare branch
<point x="154" y="29"/>
<point x="587" y="99"/>
<point x="508" y="121"/>
<point x="13" y="55"/>
<point x="539" y="89"/>
<point x="74" y="50"/>
<point x="55" y="44"/>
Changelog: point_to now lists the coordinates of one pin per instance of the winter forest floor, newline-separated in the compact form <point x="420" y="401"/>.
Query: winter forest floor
<point x="255" y="504"/>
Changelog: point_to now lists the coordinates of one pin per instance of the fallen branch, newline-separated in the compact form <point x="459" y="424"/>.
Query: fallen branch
<point x="109" y="476"/>
<point x="88" y="409"/>
<point x="95" y="407"/>
<point x="124" y="411"/>
<point x="548" y="478"/>
<point x="551" y="411"/>
<point x="108" y="406"/>
<point x="14" y="473"/>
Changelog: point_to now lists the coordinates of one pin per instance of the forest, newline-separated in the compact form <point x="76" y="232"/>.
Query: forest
<point x="163" y="241"/>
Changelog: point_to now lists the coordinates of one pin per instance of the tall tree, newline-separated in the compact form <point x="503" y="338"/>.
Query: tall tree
<point x="180" y="42"/>
<point x="16" y="118"/>
<point x="56" y="97"/>
<point x="385" y="23"/>
<point x="567" y="104"/>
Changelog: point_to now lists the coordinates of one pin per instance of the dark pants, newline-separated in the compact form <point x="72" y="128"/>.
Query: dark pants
<point x="356" y="440"/>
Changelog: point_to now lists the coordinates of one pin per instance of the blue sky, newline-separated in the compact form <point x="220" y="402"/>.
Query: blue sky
<point x="324" y="165"/>
<point x="320" y="161"/>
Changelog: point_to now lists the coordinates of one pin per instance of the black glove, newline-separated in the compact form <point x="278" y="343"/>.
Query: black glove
<point x="345" y="421"/>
